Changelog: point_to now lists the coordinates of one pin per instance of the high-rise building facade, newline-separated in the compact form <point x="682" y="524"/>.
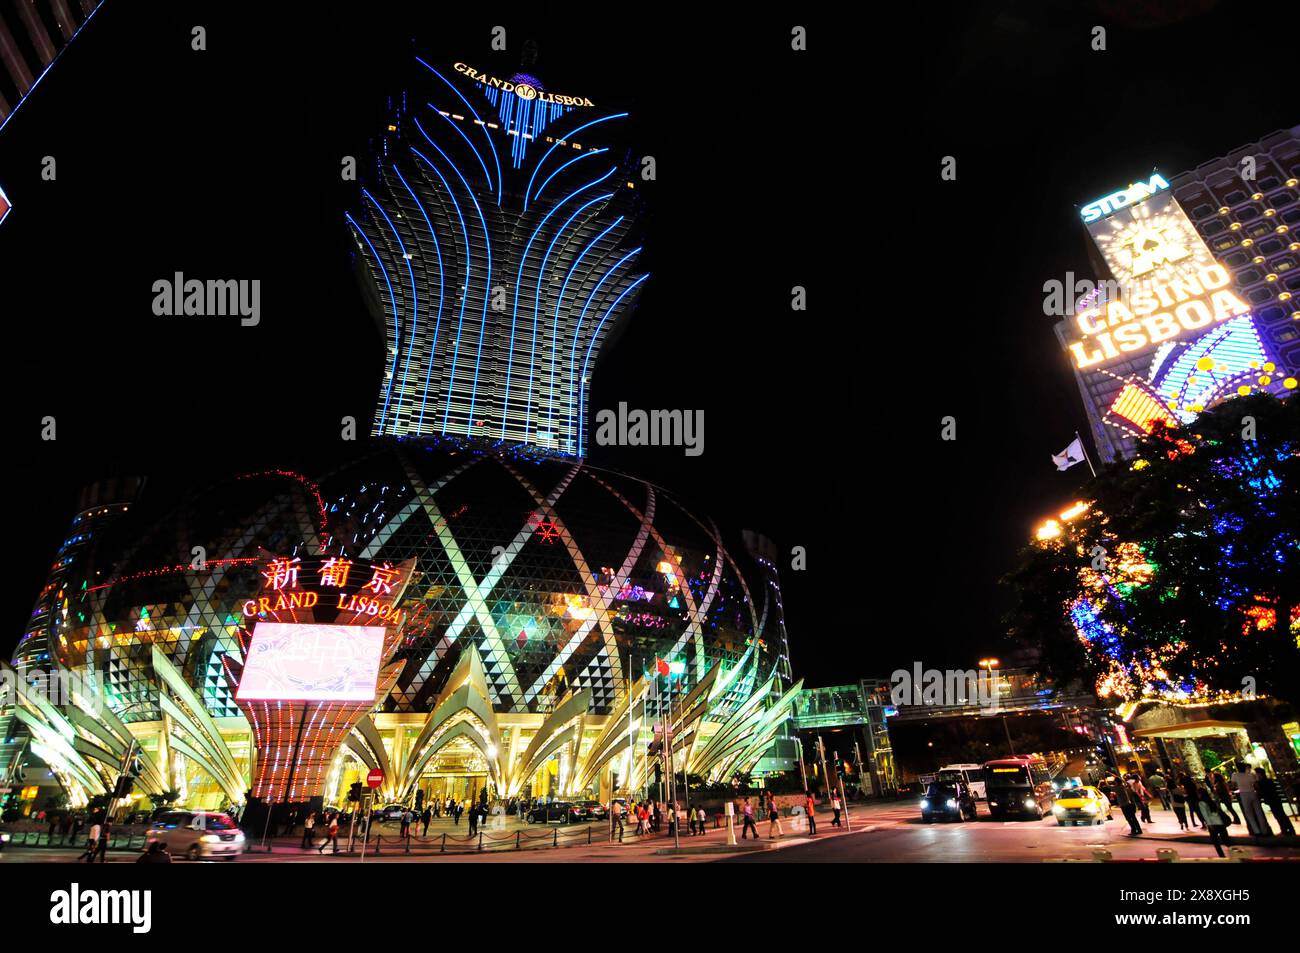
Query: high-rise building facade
<point x="497" y="231"/>
<point x="1202" y="306"/>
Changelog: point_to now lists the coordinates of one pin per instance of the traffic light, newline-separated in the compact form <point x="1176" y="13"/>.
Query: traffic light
<point x="354" y="792"/>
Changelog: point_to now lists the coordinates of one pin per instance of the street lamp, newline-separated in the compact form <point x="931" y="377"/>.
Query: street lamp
<point x="990" y="664"/>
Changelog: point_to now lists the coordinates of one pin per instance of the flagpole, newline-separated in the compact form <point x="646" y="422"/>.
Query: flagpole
<point x="1084" y="448"/>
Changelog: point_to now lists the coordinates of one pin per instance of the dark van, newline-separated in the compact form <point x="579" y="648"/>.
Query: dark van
<point x="1018" y="787"/>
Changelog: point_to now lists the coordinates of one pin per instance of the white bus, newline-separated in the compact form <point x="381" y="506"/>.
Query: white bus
<point x="971" y="775"/>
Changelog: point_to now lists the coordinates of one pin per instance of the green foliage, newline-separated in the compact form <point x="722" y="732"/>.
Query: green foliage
<point x="1217" y="517"/>
<point x="165" y="798"/>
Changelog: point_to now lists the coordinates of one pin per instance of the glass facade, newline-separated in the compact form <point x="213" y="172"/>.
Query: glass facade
<point x="561" y="576"/>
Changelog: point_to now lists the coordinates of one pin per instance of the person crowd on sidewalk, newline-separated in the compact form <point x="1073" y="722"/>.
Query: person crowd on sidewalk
<point x="1216" y="804"/>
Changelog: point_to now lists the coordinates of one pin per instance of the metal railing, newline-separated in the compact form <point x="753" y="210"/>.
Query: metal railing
<point x="127" y="840"/>
<point x="485" y="841"/>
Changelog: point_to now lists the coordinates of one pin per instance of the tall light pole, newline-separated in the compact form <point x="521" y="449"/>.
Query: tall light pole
<point x="674" y="669"/>
<point x="990" y="664"/>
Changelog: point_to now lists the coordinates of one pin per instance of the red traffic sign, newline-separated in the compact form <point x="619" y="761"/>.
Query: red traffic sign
<point x="374" y="778"/>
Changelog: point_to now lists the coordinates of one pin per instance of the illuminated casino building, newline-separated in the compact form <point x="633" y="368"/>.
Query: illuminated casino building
<point x="1202" y="305"/>
<point x="497" y="232"/>
<point x="497" y="613"/>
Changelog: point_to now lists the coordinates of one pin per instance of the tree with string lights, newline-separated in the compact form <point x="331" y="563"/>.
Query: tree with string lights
<point x="1181" y="576"/>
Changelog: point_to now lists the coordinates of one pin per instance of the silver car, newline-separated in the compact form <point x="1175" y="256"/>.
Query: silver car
<point x="197" y="835"/>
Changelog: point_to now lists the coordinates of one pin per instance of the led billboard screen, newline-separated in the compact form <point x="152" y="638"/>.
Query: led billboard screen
<point x="288" y="662"/>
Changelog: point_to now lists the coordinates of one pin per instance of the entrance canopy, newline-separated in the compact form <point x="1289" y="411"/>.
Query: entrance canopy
<point x="1193" y="729"/>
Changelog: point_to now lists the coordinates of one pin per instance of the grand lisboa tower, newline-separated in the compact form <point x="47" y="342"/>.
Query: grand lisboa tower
<point x="537" y="622"/>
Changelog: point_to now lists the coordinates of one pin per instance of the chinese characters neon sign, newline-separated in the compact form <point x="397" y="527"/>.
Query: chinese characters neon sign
<point x="281" y="591"/>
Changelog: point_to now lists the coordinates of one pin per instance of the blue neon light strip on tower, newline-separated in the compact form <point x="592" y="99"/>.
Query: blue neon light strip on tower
<point x="483" y="165"/>
<point x="464" y="296"/>
<point x="537" y="296"/>
<point x="573" y="349"/>
<point x="529" y="117"/>
<point x="582" y="393"/>
<point x="397" y="321"/>
<point x="519" y="278"/>
<point x="478" y="121"/>
<point x="437" y="324"/>
<point x="487" y="279"/>
<point x="594" y="152"/>
<point x="550" y="406"/>
<point x="537" y="168"/>
<point x="415" y="302"/>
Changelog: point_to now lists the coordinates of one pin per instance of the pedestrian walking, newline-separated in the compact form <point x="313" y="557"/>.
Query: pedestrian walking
<point x="774" y="828"/>
<point x="473" y="820"/>
<point x="1270" y="794"/>
<point x="616" y="820"/>
<point x="424" y="820"/>
<point x="105" y="835"/>
<point x="331" y="835"/>
<point x="1141" y="796"/>
<point x="809" y="809"/>
<point x="308" y="826"/>
<point x="1159" y="787"/>
<point x="1215" y="822"/>
<point x="1248" y="794"/>
<point x="1223" y="794"/>
<point x="1189" y="786"/>
<point x="92" y="843"/>
<point x="836" y="807"/>
<point x="702" y="817"/>
<point x="1128" y="806"/>
<point x="642" y="819"/>
<point x="747" y="820"/>
<point x="1178" y="801"/>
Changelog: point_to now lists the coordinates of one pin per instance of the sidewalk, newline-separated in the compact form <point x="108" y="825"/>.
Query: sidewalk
<point x="1164" y="827"/>
<point x="651" y="847"/>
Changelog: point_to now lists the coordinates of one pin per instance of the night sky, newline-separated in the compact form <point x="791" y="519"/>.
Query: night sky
<point x="774" y="169"/>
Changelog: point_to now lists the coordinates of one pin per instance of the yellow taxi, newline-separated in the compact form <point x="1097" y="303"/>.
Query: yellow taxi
<point x="1081" y="805"/>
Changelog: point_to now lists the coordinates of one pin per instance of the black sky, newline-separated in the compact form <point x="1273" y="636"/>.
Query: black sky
<point x="774" y="169"/>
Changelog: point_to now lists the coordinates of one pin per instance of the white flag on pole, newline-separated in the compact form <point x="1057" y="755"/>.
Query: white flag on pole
<point x="1070" y="455"/>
